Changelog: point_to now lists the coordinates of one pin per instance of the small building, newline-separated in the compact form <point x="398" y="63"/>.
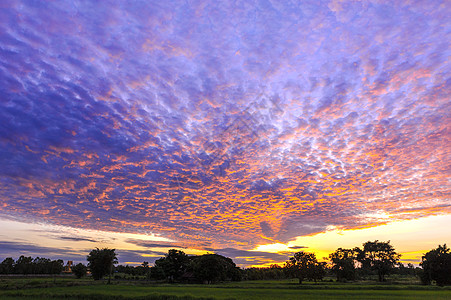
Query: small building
<point x="68" y="267"/>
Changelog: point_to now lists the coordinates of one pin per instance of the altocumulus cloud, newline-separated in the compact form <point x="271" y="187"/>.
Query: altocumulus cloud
<point x="219" y="124"/>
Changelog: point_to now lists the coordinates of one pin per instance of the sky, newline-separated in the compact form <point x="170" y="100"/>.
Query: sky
<point x="252" y="129"/>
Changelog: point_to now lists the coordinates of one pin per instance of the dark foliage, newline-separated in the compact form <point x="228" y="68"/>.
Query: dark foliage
<point x="79" y="270"/>
<point x="343" y="264"/>
<point x="7" y="266"/>
<point x="101" y="262"/>
<point x="176" y="266"/>
<point x="142" y="270"/>
<point x="172" y="266"/>
<point x="27" y="265"/>
<point x="304" y="265"/>
<point x="436" y="266"/>
<point x="273" y="272"/>
<point x="212" y="268"/>
<point x="378" y="256"/>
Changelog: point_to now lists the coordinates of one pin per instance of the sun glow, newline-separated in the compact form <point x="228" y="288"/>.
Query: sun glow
<point x="406" y="236"/>
<point x="272" y="248"/>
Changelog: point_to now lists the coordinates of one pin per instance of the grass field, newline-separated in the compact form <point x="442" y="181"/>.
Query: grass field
<point x="67" y="288"/>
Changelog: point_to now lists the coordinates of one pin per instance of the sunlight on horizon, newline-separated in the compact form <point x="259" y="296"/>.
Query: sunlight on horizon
<point x="406" y="236"/>
<point x="411" y="238"/>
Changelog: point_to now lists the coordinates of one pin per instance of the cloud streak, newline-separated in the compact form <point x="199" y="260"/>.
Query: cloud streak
<point x="16" y="249"/>
<point x="76" y="239"/>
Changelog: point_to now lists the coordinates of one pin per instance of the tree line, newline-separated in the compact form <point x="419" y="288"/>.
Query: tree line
<point x="27" y="265"/>
<point x="374" y="258"/>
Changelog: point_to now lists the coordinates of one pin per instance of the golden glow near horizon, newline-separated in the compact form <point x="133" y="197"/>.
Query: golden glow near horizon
<point x="411" y="238"/>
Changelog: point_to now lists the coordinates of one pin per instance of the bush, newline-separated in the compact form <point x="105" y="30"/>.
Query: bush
<point x="79" y="270"/>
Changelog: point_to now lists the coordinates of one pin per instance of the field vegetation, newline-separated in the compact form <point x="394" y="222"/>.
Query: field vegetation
<point x="402" y="287"/>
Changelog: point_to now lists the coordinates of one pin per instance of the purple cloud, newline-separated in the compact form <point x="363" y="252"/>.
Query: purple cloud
<point x="224" y="124"/>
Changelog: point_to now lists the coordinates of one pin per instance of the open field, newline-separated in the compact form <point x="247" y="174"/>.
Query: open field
<point x="67" y="288"/>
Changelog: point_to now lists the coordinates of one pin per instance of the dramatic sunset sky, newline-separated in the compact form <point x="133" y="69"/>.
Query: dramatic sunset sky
<point x="252" y="129"/>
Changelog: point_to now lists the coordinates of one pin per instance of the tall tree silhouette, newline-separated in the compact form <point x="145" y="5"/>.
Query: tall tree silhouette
<point x="173" y="265"/>
<point x="304" y="265"/>
<point x="101" y="262"/>
<point x="379" y="256"/>
<point x="436" y="266"/>
<point x="343" y="263"/>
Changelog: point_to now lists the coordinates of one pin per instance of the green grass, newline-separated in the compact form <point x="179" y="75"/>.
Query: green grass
<point x="25" y="282"/>
<point x="284" y="289"/>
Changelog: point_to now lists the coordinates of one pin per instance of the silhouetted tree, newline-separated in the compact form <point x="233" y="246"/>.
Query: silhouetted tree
<point x="173" y="265"/>
<point x="343" y="264"/>
<point x="41" y="265"/>
<point x="101" y="262"/>
<point x="411" y="269"/>
<point x="379" y="256"/>
<point x="79" y="270"/>
<point x="7" y="266"/>
<point x="130" y="270"/>
<point x="436" y="266"/>
<point x="318" y="271"/>
<point x="273" y="272"/>
<point x="56" y="266"/>
<point x="28" y="265"/>
<point x="211" y="268"/>
<point x="304" y="265"/>
<point x="157" y="272"/>
<point x="24" y="265"/>
<point x="145" y="269"/>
